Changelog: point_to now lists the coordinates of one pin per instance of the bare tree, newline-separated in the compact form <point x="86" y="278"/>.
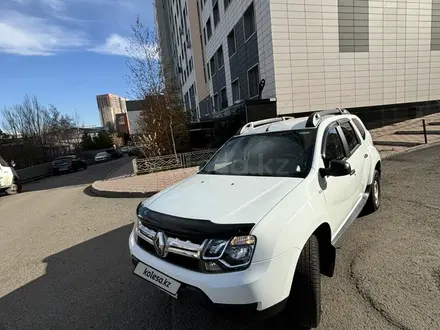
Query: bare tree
<point x="39" y="125"/>
<point x="163" y="121"/>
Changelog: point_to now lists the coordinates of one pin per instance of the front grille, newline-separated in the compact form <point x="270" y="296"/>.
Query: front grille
<point x="175" y="259"/>
<point x="175" y="234"/>
<point x="180" y="241"/>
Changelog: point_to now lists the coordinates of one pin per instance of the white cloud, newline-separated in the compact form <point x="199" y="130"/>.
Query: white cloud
<point x="118" y="45"/>
<point x="56" y="5"/>
<point x="28" y="35"/>
<point x="114" y="45"/>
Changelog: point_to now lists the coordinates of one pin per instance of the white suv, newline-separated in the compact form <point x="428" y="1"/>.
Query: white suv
<point x="256" y="226"/>
<point x="9" y="179"/>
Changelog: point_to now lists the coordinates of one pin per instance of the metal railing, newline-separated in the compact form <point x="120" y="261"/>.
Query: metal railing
<point x="168" y="162"/>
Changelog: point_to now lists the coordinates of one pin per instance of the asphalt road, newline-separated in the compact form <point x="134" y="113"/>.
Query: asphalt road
<point x="65" y="261"/>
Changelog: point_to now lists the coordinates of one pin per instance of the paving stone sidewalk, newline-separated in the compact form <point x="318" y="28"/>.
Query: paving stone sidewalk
<point x="122" y="183"/>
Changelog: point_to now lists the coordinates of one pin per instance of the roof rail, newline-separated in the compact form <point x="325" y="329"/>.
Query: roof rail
<point x="254" y="124"/>
<point x="316" y="117"/>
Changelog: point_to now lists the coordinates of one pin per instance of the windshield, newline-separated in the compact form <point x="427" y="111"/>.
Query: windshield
<point x="281" y="154"/>
<point x="101" y="154"/>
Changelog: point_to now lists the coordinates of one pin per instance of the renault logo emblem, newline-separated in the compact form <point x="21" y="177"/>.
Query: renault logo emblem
<point x="160" y="243"/>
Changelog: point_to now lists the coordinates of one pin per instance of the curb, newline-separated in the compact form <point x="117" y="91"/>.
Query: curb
<point x="119" y="194"/>
<point x="411" y="149"/>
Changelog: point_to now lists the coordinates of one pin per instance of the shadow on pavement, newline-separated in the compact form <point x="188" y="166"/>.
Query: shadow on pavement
<point x="81" y="177"/>
<point x="91" y="285"/>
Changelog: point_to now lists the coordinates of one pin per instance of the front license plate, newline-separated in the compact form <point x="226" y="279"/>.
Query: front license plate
<point x="159" y="279"/>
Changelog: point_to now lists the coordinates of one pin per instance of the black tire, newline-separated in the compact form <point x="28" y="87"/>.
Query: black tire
<point x="15" y="188"/>
<point x="85" y="166"/>
<point x="373" y="202"/>
<point x="56" y="172"/>
<point x="304" y="303"/>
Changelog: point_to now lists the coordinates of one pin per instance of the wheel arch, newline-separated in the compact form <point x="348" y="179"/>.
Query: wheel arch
<point x="327" y="252"/>
<point x="378" y="167"/>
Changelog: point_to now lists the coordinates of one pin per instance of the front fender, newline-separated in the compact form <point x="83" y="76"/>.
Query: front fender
<point x="375" y="158"/>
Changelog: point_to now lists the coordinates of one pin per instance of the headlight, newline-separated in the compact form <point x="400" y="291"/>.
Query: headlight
<point x="229" y="255"/>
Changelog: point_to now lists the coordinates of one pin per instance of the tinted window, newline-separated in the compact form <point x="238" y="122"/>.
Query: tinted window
<point x="281" y="154"/>
<point x="3" y="162"/>
<point x="334" y="149"/>
<point x="360" y="127"/>
<point x="350" y="136"/>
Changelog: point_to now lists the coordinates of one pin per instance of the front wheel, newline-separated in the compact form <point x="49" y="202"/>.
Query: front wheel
<point x="15" y="188"/>
<point x="304" y="302"/>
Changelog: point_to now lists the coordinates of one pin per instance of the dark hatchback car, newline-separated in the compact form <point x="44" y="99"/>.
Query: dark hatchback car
<point x="68" y="163"/>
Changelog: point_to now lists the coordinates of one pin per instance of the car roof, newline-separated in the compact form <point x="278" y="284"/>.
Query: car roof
<point x="290" y="123"/>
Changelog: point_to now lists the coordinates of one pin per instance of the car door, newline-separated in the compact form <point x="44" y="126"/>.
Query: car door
<point x="339" y="192"/>
<point x="357" y="157"/>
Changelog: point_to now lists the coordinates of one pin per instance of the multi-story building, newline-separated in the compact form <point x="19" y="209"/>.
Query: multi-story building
<point x="379" y="59"/>
<point x="109" y="105"/>
<point x="180" y="34"/>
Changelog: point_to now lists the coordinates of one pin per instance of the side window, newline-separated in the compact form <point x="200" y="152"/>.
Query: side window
<point x="3" y="162"/>
<point x="334" y="149"/>
<point x="360" y="127"/>
<point x="350" y="136"/>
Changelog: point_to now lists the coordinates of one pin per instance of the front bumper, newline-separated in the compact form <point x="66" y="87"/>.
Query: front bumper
<point x="264" y="286"/>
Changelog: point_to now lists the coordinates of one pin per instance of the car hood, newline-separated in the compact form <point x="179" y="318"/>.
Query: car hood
<point x="222" y="199"/>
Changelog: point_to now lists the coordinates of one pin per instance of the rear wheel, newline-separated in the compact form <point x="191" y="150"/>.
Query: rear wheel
<point x="373" y="202"/>
<point x="15" y="188"/>
<point x="304" y="304"/>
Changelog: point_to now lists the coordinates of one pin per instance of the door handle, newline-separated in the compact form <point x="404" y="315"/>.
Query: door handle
<point x="353" y="172"/>
<point x="366" y="156"/>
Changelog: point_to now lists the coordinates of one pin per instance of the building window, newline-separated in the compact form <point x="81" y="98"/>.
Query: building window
<point x="208" y="71"/>
<point x="204" y="35"/>
<point x="187" y="106"/>
<point x="253" y="81"/>
<point x="232" y="46"/>
<point x="235" y="86"/>
<point x="216" y="103"/>
<point x="204" y="74"/>
<point x="212" y="65"/>
<point x="249" y="22"/>
<point x="220" y="59"/>
<point x="208" y="28"/>
<point x="216" y="14"/>
<point x="226" y="3"/>
<point x="224" y="98"/>
<point x="192" y="97"/>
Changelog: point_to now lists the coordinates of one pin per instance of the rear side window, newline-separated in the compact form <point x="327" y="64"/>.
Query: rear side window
<point x="360" y="127"/>
<point x="350" y="136"/>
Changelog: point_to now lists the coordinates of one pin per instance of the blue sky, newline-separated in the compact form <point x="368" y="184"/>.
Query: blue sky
<point x="66" y="51"/>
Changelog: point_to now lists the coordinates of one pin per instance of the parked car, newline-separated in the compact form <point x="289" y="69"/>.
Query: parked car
<point x="9" y="178"/>
<point x="125" y="150"/>
<point x="114" y="154"/>
<point x="102" y="157"/>
<point x="134" y="151"/>
<point x="263" y="215"/>
<point x="68" y="163"/>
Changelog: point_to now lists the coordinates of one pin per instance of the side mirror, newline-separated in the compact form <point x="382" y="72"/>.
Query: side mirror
<point x="336" y="168"/>
<point x="13" y="163"/>
<point x="202" y="165"/>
